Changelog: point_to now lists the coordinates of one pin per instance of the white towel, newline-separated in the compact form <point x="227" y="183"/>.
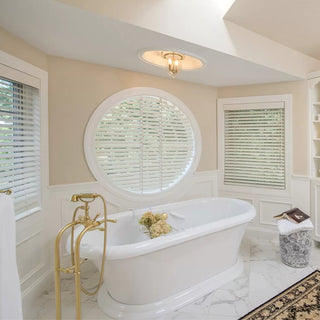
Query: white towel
<point x="10" y="295"/>
<point x="287" y="227"/>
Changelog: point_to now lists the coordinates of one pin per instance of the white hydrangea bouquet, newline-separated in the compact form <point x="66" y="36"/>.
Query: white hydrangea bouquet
<point x="155" y="224"/>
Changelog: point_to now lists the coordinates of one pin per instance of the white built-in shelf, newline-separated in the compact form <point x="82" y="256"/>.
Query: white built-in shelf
<point x="314" y="105"/>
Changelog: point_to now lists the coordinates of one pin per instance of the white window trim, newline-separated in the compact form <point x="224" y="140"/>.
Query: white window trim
<point x="41" y="76"/>
<point x="227" y="103"/>
<point x="90" y="136"/>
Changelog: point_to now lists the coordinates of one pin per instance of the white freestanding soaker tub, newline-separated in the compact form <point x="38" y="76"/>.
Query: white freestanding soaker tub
<point x="145" y="278"/>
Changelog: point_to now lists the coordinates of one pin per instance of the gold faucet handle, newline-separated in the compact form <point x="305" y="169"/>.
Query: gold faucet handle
<point x="71" y="269"/>
<point x="81" y="219"/>
<point x="112" y="220"/>
<point x="96" y="217"/>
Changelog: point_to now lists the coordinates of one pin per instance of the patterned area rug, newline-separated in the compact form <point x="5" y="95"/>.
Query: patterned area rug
<point x="299" y="302"/>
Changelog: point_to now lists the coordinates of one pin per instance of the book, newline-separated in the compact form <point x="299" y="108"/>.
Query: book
<point x="294" y="215"/>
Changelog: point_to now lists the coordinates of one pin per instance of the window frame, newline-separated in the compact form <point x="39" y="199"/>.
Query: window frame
<point x="90" y="151"/>
<point x="18" y="70"/>
<point x="286" y="99"/>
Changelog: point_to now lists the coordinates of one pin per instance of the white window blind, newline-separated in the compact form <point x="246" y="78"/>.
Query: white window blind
<point x="254" y="146"/>
<point x="20" y="143"/>
<point x="145" y="144"/>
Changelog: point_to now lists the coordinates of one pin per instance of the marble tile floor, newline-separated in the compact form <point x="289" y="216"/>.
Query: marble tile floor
<point x="263" y="277"/>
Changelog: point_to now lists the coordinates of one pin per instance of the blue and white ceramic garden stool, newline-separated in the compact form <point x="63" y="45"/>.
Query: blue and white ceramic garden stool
<point x="295" y="242"/>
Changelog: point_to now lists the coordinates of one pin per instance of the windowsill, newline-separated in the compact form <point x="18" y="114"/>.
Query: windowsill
<point x="27" y="213"/>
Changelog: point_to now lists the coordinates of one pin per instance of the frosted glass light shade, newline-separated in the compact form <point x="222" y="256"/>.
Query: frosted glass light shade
<point x="157" y="58"/>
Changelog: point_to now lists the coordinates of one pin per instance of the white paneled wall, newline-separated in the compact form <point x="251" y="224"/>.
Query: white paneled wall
<point x="201" y="184"/>
<point x="32" y="260"/>
<point x="268" y="205"/>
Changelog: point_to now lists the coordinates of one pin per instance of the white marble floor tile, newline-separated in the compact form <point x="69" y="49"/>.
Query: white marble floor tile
<point x="263" y="277"/>
<point x="268" y="278"/>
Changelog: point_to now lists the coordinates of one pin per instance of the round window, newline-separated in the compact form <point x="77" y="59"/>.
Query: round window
<point x="142" y="141"/>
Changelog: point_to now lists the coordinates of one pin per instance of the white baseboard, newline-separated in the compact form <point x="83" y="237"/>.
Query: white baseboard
<point x="271" y="230"/>
<point x="32" y="293"/>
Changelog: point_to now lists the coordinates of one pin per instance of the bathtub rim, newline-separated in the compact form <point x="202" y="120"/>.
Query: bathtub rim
<point x="132" y="250"/>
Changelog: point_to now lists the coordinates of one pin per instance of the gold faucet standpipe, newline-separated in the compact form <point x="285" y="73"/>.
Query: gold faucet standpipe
<point x="88" y="225"/>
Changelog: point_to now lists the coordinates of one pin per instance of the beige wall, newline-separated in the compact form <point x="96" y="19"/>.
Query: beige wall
<point x="77" y="88"/>
<point x="299" y="91"/>
<point x="22" y="50"/>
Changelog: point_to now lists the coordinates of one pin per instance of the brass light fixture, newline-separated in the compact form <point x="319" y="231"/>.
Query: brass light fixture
<point x="172" y="60"/>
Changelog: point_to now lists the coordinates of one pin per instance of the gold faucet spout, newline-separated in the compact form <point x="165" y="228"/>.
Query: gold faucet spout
<point x="75" y="198"/>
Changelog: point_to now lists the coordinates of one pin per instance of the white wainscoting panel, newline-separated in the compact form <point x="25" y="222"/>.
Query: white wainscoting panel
<point x="268" y="206"/>
<point x="204" y="184"/>
<point x="34" y="269"/>
<point x="300" y="192"/>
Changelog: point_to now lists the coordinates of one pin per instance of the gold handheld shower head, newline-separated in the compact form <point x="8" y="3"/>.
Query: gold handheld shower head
<point x="86" y="197"/>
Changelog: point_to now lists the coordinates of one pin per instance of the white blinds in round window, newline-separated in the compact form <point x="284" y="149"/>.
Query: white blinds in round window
<point x="144" y="144"/>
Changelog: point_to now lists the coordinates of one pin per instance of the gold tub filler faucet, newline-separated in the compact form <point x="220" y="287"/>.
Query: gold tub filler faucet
<point x="88" y="224"/>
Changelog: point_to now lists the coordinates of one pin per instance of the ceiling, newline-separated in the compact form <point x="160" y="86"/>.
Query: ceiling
<point x="293" y="23"/>
<point x="63" y="30"/>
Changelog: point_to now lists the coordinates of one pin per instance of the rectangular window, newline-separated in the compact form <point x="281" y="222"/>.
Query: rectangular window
<point x="254" y="143"/>
<point x="20" y="143"/>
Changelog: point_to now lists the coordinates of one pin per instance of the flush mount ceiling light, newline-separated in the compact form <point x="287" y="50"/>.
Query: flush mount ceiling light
<point x="174" y="61"/>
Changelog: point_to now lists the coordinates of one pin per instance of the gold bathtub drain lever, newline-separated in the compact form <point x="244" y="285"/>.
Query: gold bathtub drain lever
<point x="88" y="225"/>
